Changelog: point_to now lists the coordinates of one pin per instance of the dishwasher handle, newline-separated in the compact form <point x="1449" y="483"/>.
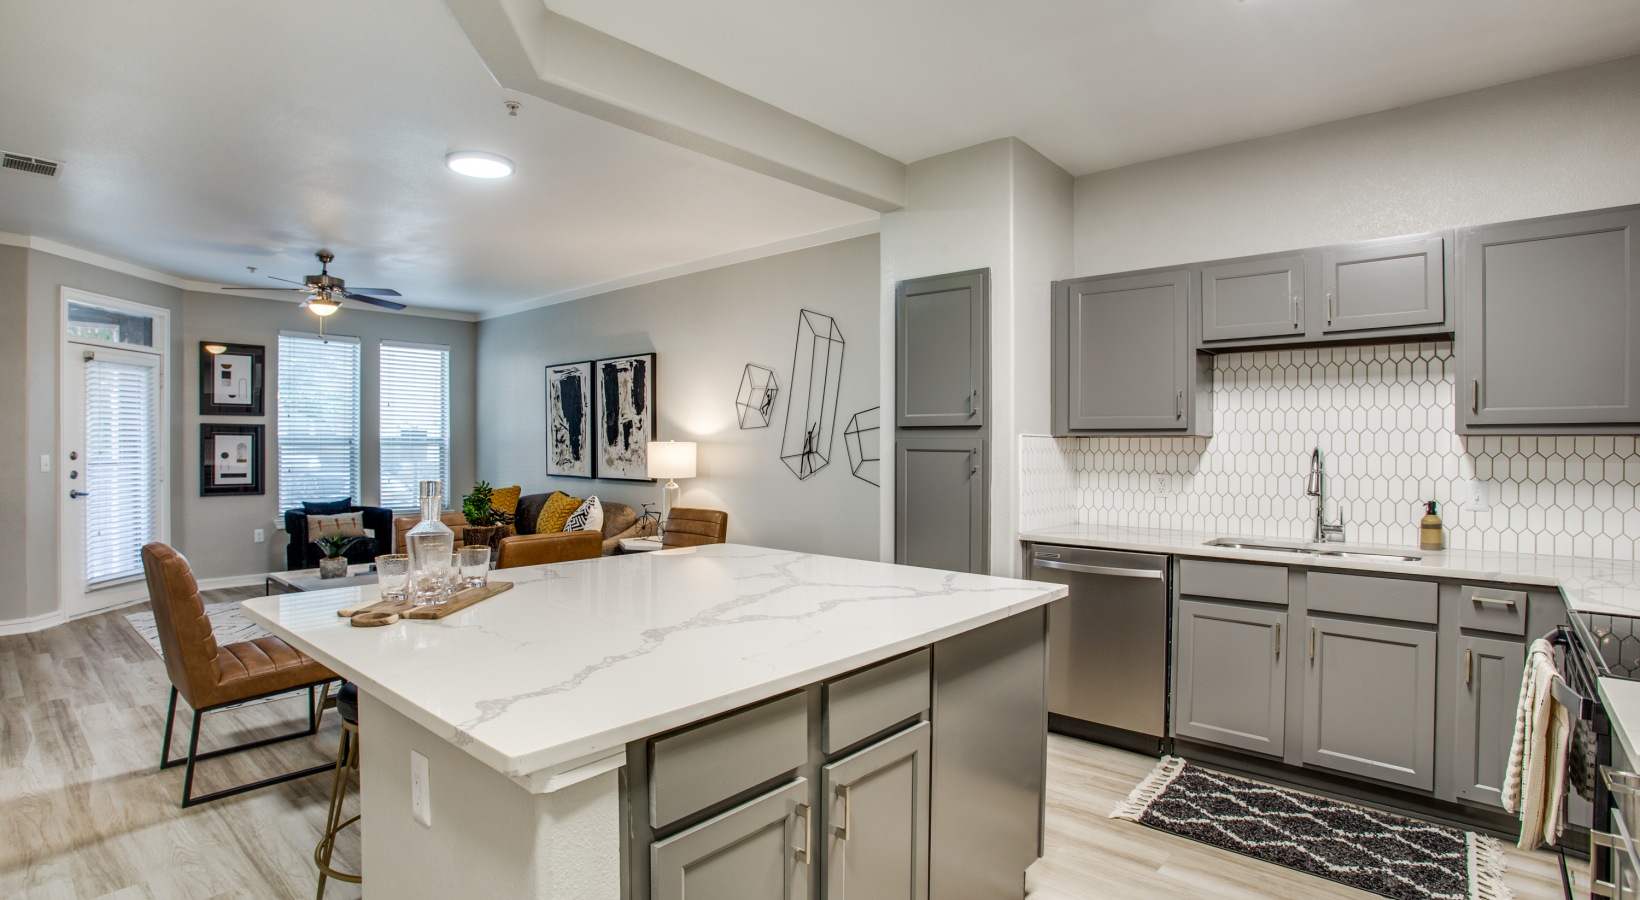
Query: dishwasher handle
<point x="1153" y="574"/>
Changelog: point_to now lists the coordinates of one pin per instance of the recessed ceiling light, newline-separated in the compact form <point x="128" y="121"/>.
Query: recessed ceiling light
<point x="479" y="164"/>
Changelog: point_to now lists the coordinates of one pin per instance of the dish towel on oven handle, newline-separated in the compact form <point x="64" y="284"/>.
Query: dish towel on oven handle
<point x="1535" y="783"/>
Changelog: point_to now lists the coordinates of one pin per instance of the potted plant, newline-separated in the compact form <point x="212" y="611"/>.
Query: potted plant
<point x="485" y="524"/>
<point x="334" y="565"/>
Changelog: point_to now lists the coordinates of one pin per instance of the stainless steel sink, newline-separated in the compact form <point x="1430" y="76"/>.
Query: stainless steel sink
<point x="1368" y="554"/>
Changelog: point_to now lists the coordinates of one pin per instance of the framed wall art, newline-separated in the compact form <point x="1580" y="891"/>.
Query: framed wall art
<point x="625" y="423"/>
<point x="569" y="420"/>
<point x="230" y="459"/>
<point x="230" y="379"/>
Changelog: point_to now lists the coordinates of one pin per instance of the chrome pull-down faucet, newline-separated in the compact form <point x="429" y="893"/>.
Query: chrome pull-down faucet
<point x="1317" y="488"/>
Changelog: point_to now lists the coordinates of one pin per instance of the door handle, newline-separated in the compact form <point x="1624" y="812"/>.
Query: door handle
<point x="75" y="495"/>
<point x="1475" y="395"/>
<point x="1332" y="308"/>
<point x="805" y="854"/>
<point x="1312" y="646"/>
<point x="1278" y="640"/>
<point x="973" y="403"/>
<point x="1297" y="305"/>
<point x="1178" y="405"/>
<point x="1152" y="574"/>
<point x="973" y="467"/>
<point x="1468" y="667"/>
<point x="848" y="813"/>
<point x="1477" y="598"/>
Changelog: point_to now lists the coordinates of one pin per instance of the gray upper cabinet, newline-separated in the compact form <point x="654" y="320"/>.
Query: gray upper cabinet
<point x="939" y="504"/>
<point x="760" y="850"/>
<point x="940" y="359"/>
<point x="1369" y="700"/>
<point x="1394" y="283"/>
<point x="1484" y="697"/>
<point x="1230" y="675"/>
<point x="1258" y="297"/>
<point x="1122" y="356"/>
<point x="1550" y="312"/>
<point x="876" y="827"/>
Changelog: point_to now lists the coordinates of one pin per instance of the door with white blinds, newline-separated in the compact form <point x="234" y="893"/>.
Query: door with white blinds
<point x="113" y="449"/>
<point x="318" y="418"/>
<point x="415" y="421"/>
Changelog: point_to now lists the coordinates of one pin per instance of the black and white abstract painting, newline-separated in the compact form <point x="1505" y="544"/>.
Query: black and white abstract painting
<point x="569" y="420"/>
<point x="625" y="416"/>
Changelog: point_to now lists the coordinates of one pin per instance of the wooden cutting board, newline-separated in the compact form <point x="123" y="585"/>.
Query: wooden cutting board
<point x="386" y="612"/>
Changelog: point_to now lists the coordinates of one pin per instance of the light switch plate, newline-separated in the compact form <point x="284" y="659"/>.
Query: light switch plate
<point x="259" y="535"/>
<point x="45" y="462"/>
<point x="421" y="801"/>
<point x="1478" y="497"/>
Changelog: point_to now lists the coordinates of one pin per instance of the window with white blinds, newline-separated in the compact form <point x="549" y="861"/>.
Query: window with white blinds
<point x="415" y="421"/>
<point x="318" y="418"/>
<point x="121" y="467"/>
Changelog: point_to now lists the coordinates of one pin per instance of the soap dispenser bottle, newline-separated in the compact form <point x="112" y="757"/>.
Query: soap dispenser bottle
<point x="1431" y="536"/>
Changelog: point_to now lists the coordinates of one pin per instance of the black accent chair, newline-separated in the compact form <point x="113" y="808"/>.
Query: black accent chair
<point x="302" y="553"/>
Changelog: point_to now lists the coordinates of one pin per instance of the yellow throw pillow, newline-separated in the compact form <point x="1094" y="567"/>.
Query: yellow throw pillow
<point x="556" y="512"/>
<point x="506" y="500"/>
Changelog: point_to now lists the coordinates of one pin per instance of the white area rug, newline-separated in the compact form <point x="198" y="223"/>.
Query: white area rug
<point x="227" y="621"/>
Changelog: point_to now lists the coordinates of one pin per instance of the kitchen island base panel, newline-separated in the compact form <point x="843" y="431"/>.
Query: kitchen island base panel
<point x="489" y="837"/>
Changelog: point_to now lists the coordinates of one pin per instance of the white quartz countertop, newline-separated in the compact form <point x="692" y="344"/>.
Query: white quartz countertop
<point x="581" y="657"/>
<point x="1589" y="585"/>
<point x="1621" y="698"/>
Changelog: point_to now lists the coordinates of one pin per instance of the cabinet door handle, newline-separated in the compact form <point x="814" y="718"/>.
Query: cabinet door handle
<point x="1298" y="305"/>
<point x="1178" y="405"/>
<point x="805" y="854"/>
<point x="848" y="813"/>
<point x="973" y="466"/>
<point x="1475" y="395"/>
<point x="1468" y="667"/>
<point x="1332" y="308"/>
<point x="1278" y="640"/>
<point x="1480" y="599"/>
<point x="973" y="403"/>
<point x="1312" y="645"/>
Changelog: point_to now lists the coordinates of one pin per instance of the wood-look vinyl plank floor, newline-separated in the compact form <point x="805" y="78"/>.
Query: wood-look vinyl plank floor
<point x="85" y="813"/>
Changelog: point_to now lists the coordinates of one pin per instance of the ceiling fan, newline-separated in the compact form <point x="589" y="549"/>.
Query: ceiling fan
<point x="325" y="291"/>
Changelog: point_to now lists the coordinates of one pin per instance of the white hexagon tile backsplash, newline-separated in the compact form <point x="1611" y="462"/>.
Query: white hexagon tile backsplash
<point x="1383" y="417"/>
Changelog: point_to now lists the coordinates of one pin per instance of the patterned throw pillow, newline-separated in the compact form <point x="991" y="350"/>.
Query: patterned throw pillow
<point x="556" y="512"/>
<point x="346" y="525"/>
<point x="589" y="516"/>
<point x="506" y="500"/>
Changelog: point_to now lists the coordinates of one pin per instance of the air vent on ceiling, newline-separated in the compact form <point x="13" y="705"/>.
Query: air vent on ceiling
<point x="32" y="165"/>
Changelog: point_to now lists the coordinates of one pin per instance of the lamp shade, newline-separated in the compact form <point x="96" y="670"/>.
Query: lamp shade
<point x="671" y="459"/>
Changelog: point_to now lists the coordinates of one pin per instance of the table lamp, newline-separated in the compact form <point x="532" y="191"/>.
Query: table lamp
<point x="670" y="460"/>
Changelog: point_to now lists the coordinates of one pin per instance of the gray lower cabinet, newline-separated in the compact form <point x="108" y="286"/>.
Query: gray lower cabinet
<point x="1369" y="700"/>
<point x="1258" y="297"/>
<point x="876" y="824"/>
<point x="939" y="507"/>
<point x="1395" y="283"/>
<point x="1230" y="678"/>
<point x="1122" y="356"/>
<point x="760" y="850"/>
<point x="1550" y="312"/>
<point x="940" y="351"/>
<point x="1484" y="697"/>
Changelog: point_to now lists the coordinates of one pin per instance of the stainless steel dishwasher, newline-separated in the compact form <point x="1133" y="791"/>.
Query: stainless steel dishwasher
<point x="1107" y="644"/>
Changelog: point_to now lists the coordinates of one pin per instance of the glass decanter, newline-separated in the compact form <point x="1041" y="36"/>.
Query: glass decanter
<point x="430" y="545"/>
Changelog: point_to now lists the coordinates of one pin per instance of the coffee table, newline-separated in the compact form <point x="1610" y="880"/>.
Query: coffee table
<point x="298" y="580"/>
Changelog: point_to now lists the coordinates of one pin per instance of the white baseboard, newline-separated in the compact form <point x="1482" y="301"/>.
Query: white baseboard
<point x="33" y="623"/>
<point x="131" y="596"/>
<point x="233" y="581"/>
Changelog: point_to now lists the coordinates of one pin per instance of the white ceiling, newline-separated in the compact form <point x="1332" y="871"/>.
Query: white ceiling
<point x="200" y="137"/>
<point x="1095" y="84"/>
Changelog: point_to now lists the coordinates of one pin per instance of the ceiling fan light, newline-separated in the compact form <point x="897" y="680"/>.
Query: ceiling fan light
<point x="478" y="164"/>
<point x="322" y="308"/>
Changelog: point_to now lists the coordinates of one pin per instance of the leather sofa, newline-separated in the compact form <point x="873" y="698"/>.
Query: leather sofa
<point x="620" y="521"/>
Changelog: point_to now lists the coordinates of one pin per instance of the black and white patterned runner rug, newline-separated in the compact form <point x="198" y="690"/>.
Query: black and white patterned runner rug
<point x="1381" y="852"/>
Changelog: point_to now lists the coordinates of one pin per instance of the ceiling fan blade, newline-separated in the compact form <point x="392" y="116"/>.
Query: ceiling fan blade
<point x="300" y="290"/>
<point x="288" y="281"/>
<point x="378" y="292"/>
<point x="374" y="301"/>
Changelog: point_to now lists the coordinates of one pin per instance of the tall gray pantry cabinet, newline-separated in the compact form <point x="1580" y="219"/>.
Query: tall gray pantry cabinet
<point x="941" y="421"/>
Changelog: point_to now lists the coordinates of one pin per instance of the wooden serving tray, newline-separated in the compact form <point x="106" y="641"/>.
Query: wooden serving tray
<point x="386" y="612"/>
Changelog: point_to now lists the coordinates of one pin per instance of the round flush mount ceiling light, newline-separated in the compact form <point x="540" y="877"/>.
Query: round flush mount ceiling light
<point x="322" y="306"/>
<point x="478" y="164"/>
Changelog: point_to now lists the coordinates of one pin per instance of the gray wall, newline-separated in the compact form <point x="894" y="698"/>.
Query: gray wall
<point x="217" y="532"/>
<point x="704" y="327"/>
<point x="1547" y="145"/>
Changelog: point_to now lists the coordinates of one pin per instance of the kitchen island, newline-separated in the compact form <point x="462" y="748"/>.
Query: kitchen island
<point x="547" y="717"/>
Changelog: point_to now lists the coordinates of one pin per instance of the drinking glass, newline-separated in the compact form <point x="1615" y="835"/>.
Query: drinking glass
<point x="475" y="565"/>
<point x="393" y="575"/>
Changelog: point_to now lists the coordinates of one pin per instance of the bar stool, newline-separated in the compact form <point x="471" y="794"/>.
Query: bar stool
<point x="347" y="758"/>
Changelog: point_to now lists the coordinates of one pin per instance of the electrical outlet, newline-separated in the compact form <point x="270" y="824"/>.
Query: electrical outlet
<point x="1161" y="484"/>
<point x="259" y="535"/>
<point x="45" y="462"/>
<point x="421" y="801"/>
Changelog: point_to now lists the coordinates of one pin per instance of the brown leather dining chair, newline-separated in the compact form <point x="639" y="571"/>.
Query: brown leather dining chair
<point x="539" y="549"/>
<point x="210" y="676"/>
<point x="688" y="527"/>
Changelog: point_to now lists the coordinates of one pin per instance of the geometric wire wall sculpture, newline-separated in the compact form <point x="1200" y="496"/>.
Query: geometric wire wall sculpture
<point x="861" y="440"/>
<point x="811" y="413"/>
<point x="754" y="402"/>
